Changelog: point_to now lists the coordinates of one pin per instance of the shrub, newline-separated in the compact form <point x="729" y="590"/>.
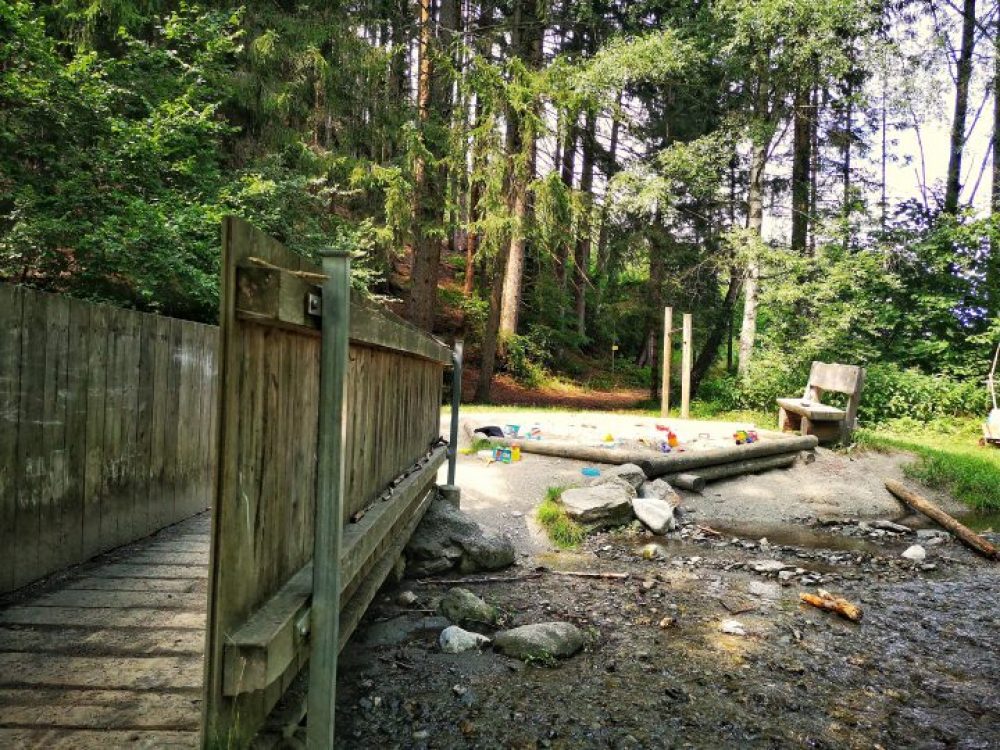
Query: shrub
<point x="890" y="392"/>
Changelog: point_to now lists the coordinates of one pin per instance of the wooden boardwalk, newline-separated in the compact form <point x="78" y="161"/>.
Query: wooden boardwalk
<point x="110" y="654"/>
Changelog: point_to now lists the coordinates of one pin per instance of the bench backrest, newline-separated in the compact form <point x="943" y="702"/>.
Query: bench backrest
<point x="849" y="379"/>
<point x="834" y="377"/>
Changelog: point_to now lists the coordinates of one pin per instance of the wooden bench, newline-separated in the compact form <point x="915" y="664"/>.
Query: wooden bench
<point x="812" y="417"/>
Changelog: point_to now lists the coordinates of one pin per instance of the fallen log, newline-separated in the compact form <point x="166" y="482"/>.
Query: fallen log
<point x="679" y="462"/>
<point x="829" y="602"/>
<point x="691" y="482"/>
<point x="932" y="511"/>
<point x="576" y="451"/>
<point x="751" y="466"/>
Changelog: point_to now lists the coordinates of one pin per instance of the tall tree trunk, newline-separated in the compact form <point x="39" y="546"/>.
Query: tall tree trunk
<point x="993" y="269"/>
<point x="567" y="175"/>
<point x="488" y="355"/>
<point x="751" y="291"/>
<point x="722" y="328"/>
<point x="814" y="167"/>
<point x="583" y="240"/>
<point x="953" y="186"/>
<point x="802" y="117"/>
<point x="655" y="315"/>
<point x="526" y="38"/>
<point x="846" y="166"/>
<point x="483" y="43"/>
<point x="434" y="104"/>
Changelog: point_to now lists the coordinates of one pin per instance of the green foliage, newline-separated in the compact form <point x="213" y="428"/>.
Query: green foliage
<point x="564" y="532"/>
<point x="948" y="457"/>
<point x="890" y="392"/>
<point x="523" y="358"/>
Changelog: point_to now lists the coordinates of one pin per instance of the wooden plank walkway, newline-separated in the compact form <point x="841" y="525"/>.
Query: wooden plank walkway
<point x="110" y="654"/>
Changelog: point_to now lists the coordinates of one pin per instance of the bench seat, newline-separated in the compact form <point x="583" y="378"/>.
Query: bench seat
<point x="814" y="411"/>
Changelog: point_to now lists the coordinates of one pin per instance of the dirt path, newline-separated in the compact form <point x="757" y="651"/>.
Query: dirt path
<point x="918" y="671"/>
<point x="109" y="654"/>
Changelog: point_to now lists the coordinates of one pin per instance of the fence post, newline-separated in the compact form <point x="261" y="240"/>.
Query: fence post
<point x="686" y="367"/>
<point x="668" y="315"/>
<point x="325" y="616"/>
<point x="456" y="400"/>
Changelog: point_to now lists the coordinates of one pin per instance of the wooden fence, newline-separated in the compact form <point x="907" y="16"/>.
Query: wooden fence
<point x="262" y="543"/>
<point x="106" y="427"/>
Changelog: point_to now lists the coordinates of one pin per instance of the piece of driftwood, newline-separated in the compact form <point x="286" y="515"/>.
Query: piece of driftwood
<point x="585" y="574"/>
<point x="829" y="602"/>
<point x="537" y="573"/>
<point x="932" y="511"/>
<point x="707" y="530"/>
<point x="477" y="579"/>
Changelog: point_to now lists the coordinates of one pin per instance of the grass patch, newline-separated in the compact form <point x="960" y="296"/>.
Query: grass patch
<point x="564" y="532"/>
<point x="479" y="444"/>
<point x="948" y="457"/>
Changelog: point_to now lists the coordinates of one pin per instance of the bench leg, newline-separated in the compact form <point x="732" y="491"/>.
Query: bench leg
<point x="787" y="422"/>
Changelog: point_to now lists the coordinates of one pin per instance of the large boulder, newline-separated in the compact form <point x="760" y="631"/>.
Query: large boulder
<point x="656" y="514"/>
<point x="608" y="504"/>
<point x="463" y="607"/>
<point x="659" y="489"/>
<point x="631" y="473"/>
<point x="447" y="538"/>
<point x="543" y="640"/>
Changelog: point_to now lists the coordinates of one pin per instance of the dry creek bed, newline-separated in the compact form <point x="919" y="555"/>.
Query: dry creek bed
<point x="919" y="671"/>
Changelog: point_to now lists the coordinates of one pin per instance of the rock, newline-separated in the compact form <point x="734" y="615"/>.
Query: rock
<point x="732" y="627"/>
<point x="931" y="533"/>
<point x="768" y="566"/>
<point x="406" y="599"/>
<point x="915" y="553"/>
<point x="454" y="640"/>
<point x="667" y="622"/>
<point x="897" y="528"/>
<point x="447" y="538"/>
<point x="628" y="472"/>
<point x="652" y="552"/>
<point x="600" y="506"/>
<point x="658" y="489"/>
<point x="516" y="514"/>
<point x="399" y="629"/>
<point x="543" y="640"/>
<point x="461" y="606"/>
<point x="656" y="514"/>
<point x="765" y="590"/>
<point x="786" y="575"/>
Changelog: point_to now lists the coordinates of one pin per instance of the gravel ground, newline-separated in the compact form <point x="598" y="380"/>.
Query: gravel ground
<point x="917" y="671"/>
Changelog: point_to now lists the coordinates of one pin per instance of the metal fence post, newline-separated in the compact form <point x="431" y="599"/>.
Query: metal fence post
<point x="325" y="625"/>
<point x="456" y="400"/>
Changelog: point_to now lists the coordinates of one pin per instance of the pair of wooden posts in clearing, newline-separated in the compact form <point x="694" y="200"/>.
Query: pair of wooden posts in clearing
<point x="668" y="330"/>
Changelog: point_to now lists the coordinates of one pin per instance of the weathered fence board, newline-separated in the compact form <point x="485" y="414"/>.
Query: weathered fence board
<point x="260" y="581"/>
<point x="95" y="450"/>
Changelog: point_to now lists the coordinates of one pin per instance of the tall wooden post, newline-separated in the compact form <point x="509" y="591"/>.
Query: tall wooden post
<point x="668" y="322"/>
<point x="456" y="402"/>
<point x="686" y="368"/>
<point x="325" y="625"/>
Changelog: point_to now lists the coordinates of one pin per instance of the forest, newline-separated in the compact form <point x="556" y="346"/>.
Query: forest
<point x="538" y="178"/>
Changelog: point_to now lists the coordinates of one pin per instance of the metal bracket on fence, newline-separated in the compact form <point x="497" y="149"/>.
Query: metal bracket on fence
<point x="314" y="305"/>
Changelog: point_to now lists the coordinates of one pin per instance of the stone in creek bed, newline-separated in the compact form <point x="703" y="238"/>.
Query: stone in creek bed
<point x="543" y="640"/>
